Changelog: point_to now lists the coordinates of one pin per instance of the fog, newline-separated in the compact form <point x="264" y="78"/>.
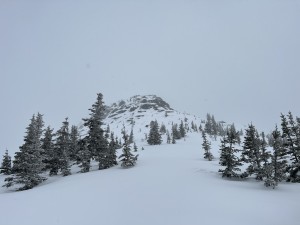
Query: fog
<point x="239" y="60"/>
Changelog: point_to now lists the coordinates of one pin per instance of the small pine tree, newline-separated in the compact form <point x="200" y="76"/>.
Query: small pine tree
<point x="182" y="130"/>
<point x="175" y="132"/>
<point x="135" y="147"/>
<point x="154" y="137"/>
<point x="127" y="158"/>
<point x="6" y="164"/>
<point x="112" y="147"/>
<point x="206" y="147"/>
<point x="168" y="137"/>
<point x="228" y="159"/>
<point x="163" y="129"/>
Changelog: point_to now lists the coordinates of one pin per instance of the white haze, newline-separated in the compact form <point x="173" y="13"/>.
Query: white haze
<point x="236" y="59"/>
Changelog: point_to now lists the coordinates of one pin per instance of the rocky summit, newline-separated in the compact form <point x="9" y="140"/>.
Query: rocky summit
<point x="137" y="105"/>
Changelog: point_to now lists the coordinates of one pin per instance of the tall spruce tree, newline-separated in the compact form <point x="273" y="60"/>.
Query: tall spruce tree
<point x="62" y="146"/>
<point x="275" y="170"/>
<point x="96" y="141"/>
<point x="74" y="139"/>
<point x="206" y="147"/>
<point x="291" y="134"/>
<point x="127" y="158"/>
<point x="154" y="137"/>
<point x="251" y="153"/>
<point x="6" y="164"/>
<point x="228" y="159"/>
<point x="48" y="148"/>
<point x="29" y="161"/>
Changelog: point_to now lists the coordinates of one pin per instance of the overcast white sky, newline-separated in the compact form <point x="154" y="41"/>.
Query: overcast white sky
<point x="237" y="59"/>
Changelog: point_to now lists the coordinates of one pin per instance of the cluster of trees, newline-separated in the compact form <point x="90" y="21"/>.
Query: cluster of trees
<point x="281" y="163"/>
<point x="155" y="134"/>
<point x="44" y="151"/>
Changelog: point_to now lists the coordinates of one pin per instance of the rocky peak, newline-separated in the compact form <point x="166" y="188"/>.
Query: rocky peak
<point x="138" y="104"/>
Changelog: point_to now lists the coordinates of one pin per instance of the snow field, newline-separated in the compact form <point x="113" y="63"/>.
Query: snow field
<point x="171" y="184"/>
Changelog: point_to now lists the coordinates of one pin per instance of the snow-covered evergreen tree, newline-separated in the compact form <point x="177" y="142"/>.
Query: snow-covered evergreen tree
<point x="112" y="147"/>
<point x="127" y="158"/>
<point x="62" y="147"/>
<point x="48" y="148"/>
<point x="275" y="170"/>
<point x="163" y="129"/>
<point x="228" y="159"/>
<point x="182" y="130"/>
<point x="168" y="137"/>
<point x="6" y="164"/>
<point x="206" y="147"/>
<point x="84" y="156"/>
<point x="96" y="141"/>
<point x="291" y="134"/>
<point x="131" y="138"/>
<point x="175" y="132"/>
<point x="251" y="153"/>
<point x="74" y="139"/>
<point x="154" y="137"/>
<point x="29" y="161"/>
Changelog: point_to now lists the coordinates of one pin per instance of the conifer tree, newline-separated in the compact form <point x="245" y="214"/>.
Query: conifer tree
<point x="154" y="137"/>
<point x="206" y="147"/>
<point x="47" y="148"/>
<point x="96" y="142"/>
<point x="62" y="148"/>
<point x="168" y="137"/>
<point x="6" y="164"/>
<point x="275" y="170"/>
<point x="173" y="139"/>
<point x="208" y="124"/>
<point x="162" y="129"/>
<point x="291" y="134"/>
<point x="112" y="147"/>
<point x="74" y="139"/>
<point x="29" y="161"/>
<point x="130" y="141"/>
<point x="127" y="158"/>
<point x="175" y="132"/>
<point x="228" y="159"/>
<point x="252" y="153"/>
<point x="182" y="130"/>
<point x="84" y="156"/>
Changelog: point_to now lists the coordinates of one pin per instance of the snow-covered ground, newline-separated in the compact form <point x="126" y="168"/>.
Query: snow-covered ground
<point x="170" y="185"/>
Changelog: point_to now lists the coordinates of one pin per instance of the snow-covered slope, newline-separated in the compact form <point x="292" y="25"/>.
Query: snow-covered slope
<point x="170" y="185"/>
<point x="137" y="112"/>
